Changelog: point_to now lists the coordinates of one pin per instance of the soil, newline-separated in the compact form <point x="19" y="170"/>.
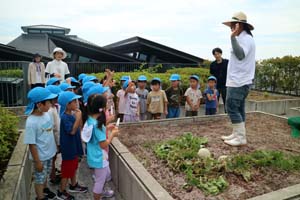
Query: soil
<point x="264" y="96"/>
<point x="263" y="132"/>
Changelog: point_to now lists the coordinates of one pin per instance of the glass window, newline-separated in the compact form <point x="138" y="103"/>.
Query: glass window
<point x="58" y="32"/>
<point x="46" y="31"/>
<point x="142" y="57"/>
<point x="34" y="31"/>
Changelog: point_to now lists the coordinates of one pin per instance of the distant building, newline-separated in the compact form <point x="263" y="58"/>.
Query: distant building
<point x="43" y="39"/>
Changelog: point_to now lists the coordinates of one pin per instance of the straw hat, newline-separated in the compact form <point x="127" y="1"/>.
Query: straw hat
<point x="239" y="17"/>
<point x="58" y="49"/>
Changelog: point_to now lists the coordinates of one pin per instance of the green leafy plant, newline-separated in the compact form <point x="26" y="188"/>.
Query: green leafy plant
<point x="8" y="136"/>
<point x="208" y="174"/>
<point x="15" y="73"/>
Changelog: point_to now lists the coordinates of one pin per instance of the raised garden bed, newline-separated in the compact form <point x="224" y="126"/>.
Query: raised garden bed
<point x="265" y="132"/>
<point x="266" y="96"/>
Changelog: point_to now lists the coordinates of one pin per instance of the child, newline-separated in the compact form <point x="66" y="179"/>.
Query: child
<point x="70" y="143"/>
<point x="174" y="95"/>
<point x="211" y="93"/>
<point x="132" y="107"/>
<point x="53" y="81"/>
<point x="142" y="94"/>
<point x="66" y="87"/>
<point x="157" y="100"/>
<point x="39" y="136"/>
<point x="53" y="111"/>
<point x="96" y="155"/>
<point x="121" y="99"/>
<point x="193" y="97"/>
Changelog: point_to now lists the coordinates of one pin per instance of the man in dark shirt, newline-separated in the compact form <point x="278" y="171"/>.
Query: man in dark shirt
<point x="218" y="68"/>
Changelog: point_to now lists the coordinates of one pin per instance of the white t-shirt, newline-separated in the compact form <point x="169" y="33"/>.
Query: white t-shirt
<point x="241" y="72"/>
<point x="121" y="105"/>
<point x="131" y="104"/>
<point x="194" y="96"/>
<point x="58" y="67"/>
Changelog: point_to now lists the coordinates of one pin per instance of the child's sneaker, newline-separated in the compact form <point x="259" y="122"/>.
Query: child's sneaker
<point x="77" y="188"/>
<point x="49" y="194"/>
<point x="108" y="194"/>
<point x="64" y="196"/>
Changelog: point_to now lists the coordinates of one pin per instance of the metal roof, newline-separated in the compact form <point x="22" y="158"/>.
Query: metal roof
<point x="47" y="27"/>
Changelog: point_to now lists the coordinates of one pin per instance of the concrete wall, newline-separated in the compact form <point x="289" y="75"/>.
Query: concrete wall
<point x="17" y="178"/>
<point x="294" y="112"/>
<point x="131" y="178"/>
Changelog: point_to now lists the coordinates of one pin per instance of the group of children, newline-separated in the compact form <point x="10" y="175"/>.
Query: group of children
<point x="64" y="115"/>
<point x="136" y="104"/>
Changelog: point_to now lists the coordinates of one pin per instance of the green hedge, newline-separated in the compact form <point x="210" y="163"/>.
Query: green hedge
<point x="280" y="75"/>
<point x="8" y="136"/>
<point x="16" y="73"/>
<point x="184" y="73"/>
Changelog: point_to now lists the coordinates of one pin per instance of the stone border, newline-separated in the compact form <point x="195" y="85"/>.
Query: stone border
<point x="18" y="176"/>
<point x="122" y="154"/>
<point x="130" y="177"/>
<point x="294" y="112"/>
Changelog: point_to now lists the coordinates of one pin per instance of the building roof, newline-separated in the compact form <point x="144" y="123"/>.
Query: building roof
<point x="162" y="52"/>
<point x="88" y="50"/>
<point x="45" y="27"/>
<point x="11" y="53"/>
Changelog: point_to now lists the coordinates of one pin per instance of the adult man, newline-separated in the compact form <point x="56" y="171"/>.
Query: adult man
<point x="218" y="69"/>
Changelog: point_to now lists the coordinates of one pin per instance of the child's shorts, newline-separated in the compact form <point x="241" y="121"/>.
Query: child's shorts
<point x="40" y="177"/>
<point x="130" y="118"/>
<point x="69" y="167"/>
<point x="102" y="175"/>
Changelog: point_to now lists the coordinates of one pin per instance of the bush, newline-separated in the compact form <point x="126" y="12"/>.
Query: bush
<point x="8" y="136"/>
<point x="150" y="74"/>
<point x="15" y="73"/>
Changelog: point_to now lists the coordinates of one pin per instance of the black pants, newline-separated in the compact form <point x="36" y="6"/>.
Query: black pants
<point x="37" y="85"/>
<point x="191" y="113"/>
<point x="223" y="92"/>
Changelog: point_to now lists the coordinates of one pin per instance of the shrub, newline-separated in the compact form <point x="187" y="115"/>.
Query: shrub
<point x="15" y="73"/>
<point x="8" y="136"/>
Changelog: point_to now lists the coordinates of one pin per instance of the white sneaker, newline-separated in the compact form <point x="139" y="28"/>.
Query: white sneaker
<point x="240" y="138"/>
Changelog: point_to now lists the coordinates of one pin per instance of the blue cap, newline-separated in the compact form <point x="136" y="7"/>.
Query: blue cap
<point x="36" y="95"/>
<point x="212" y="78"/>
<point x="125" y="84"/>
<point x="86" y="87"/>
<point x="74" y="80"/>
<point x="52" y="80"/>
<point x="142" y="78"/>
<point x="64" y="98"/>
<point x="81" y="76"/>
<point x="195" y="77"/>
<point x="65" y="86"/>
<point x="96" y="89"/>
<point x="124" y="78"/>
<point x="88" y="78"/>
<point x="175" y="77"/>
<point x="54" y="89"/>
<point x="156" y="79"/>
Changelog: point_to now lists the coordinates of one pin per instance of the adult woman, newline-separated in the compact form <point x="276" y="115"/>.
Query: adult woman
<point x="58" y="68"/>
<point x="36" y="72"/>
<point x="241" y="70"/>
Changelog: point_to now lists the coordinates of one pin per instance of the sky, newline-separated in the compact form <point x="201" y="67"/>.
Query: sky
<point x="192" y="26"/>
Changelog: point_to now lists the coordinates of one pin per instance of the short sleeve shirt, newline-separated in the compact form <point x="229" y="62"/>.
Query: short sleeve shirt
<point x="121" y="105"/>
<point x="96" y="157"/>
<point x="194" y="96"/>
<point x="174" y="96"/>
<point x="132" y="103"/>
<point x="156" y="100"/>
<point x="39" y="131"/>
<point x="70" y="145"/>
<point x="143" y="99"/>
<point x="212" y="103"/>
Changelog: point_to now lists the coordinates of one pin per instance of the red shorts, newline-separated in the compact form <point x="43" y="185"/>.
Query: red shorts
<point x="68" y="168"/>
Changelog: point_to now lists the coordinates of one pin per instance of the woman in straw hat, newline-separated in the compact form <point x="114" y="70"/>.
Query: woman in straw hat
<point x="58" y="68"/>
<point x="240" y="74"/>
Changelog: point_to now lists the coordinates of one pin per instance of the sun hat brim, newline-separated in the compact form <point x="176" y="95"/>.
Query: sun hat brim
<point x="228" y="23"/>
<point x="30" y="106"/>
<point x="59" y="50"/>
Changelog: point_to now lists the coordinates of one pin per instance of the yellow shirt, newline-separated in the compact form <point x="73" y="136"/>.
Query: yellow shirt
<point x="156" y="101"/>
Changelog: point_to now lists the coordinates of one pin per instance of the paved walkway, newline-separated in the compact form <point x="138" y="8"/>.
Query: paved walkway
<point x="84" y="175"/>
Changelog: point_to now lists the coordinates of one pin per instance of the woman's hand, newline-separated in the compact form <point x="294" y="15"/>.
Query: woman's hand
<point x="235" y="30"/>
<point x="57" y="75"/>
